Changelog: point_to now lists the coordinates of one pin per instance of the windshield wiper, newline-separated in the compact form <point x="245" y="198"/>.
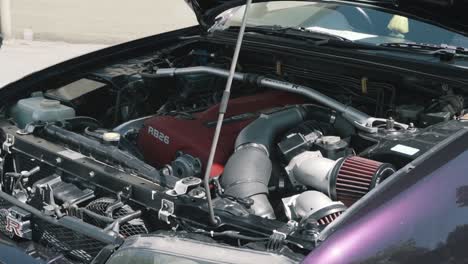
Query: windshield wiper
<point x="444" y="52"/>
<point x="318" y="37"/>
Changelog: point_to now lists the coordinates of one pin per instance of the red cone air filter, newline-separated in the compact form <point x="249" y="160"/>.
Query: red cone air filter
<point x="316" y="205"/>
<point x="328" y="218"/>
<point x="353" y="177"/>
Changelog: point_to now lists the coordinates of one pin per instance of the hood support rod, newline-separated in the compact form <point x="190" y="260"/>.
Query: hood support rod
<point x="222" y="110"/>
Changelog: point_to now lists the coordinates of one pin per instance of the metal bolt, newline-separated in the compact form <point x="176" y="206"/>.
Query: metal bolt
<point x="58" y="160"/>
<point x="445" y="87"/>
<point x="92" y="174"/>
<point x="390" y="123"/>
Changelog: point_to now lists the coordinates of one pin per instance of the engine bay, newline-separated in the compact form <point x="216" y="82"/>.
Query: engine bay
<point x="122" y="150"/>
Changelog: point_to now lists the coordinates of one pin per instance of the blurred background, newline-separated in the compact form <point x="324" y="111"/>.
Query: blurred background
<point x="97" y="21"/>
<point x="40" y="33"/>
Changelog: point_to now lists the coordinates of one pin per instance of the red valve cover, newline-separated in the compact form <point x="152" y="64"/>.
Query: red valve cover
<point x="163" y="136"/>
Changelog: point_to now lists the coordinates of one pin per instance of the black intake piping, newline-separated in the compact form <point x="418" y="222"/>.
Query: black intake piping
<point x="264" y="130"/>
<point x="247" y="172"/>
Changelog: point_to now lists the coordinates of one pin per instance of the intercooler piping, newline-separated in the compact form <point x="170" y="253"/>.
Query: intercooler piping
<point x="359" y="119"/>
<point x="247" y="172"/>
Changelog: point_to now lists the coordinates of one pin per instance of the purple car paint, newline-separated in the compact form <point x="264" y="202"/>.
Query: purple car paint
<point x="426" y="223"/>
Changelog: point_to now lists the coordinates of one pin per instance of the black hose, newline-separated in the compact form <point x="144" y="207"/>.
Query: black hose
<point x="233" y="234"/>
<point x="97" y="216"/>
<point x="81" y="122"/>
<point x="264" y="130"/>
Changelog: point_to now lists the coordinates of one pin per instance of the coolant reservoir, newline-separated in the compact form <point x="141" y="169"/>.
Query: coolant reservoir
<point x="40" y="109"/>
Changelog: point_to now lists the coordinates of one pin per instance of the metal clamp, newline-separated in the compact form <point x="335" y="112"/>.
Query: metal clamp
<point x="8" y="143"/>
<point x="184" y="185"/>
<point x="29" y="128"/>
<point x="166" y="211"/>
<point x="278" y="238"/>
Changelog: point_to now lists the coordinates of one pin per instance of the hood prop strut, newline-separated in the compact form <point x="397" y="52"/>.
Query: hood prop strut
<point x="222" y="110"/>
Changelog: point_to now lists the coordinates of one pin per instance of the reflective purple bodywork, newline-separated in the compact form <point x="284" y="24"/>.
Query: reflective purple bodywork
<point x="420" y="217"/>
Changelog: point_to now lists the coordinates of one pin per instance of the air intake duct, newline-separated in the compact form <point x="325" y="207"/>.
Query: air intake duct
<point x="346" y="180"/>
<point x="313" y="204"/>
<point x="247" y="172"/>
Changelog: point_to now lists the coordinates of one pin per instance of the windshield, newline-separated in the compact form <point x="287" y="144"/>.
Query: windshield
<point x="347" y="21"/>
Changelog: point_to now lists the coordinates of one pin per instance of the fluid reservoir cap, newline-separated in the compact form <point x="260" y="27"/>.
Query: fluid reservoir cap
<point x="47" y="103"/>
<point x="330" y="140"/>
<point x="111" y="137"/>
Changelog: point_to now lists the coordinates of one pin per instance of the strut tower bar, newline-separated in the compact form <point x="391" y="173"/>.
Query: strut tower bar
<point x="359" y="119"/>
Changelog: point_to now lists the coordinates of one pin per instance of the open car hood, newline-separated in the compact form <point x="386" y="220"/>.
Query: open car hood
<point x="450" y="14"/>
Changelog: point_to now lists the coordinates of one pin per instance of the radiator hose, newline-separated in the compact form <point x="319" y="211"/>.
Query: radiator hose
<point x="248" y="171"/>
<point x="88" y="146"/>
